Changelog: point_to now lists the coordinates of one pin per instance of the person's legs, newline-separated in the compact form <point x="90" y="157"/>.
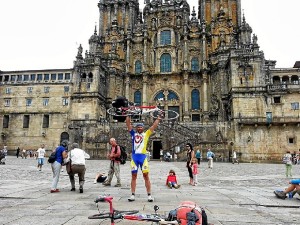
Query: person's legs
<point x="190" y="175"/>
<point x="72" y="181"/>
<point x="56" y="167"/>
<point x="117" y="173"/>
<point x="110" y="174"/>
<point x="81" y="173"/>
<point x="198" y="159"/>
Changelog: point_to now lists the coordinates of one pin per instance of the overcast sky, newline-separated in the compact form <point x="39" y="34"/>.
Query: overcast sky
<point x="44" y="34"/>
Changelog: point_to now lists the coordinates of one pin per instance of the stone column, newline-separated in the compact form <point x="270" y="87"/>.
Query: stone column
<point x="145" y="97"/>
<point x="101" y="18"/>
<point x="108" y="17"/>
<point x="127" y="82"/>
<point x="204" y="92"/>
<point x="186" y="94"/>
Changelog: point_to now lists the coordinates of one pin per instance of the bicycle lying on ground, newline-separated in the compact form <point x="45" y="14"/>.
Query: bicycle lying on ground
<point x="115" y="215"/>
<point x="122" y="108"/>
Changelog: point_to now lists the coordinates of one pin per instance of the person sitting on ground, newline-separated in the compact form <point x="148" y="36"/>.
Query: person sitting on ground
<point x="294" y="187"/>
<point x="100" y="178"/>
<point x="172" y="180"/>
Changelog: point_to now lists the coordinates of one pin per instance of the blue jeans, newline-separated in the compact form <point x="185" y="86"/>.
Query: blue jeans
<point x="56" y="168"/>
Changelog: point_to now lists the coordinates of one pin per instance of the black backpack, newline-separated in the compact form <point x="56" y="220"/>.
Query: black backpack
<point x="123" y="156"/>
<point x="52" y="157"/>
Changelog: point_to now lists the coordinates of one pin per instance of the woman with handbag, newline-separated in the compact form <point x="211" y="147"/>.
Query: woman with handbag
<point x="76" y="161"/>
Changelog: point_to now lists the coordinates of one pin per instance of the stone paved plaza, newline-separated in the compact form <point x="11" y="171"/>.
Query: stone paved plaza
<point x="231" y="194"/>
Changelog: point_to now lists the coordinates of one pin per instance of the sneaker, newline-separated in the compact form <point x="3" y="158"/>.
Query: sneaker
<point x="80" y="190"/>
<point x="132" y="198"/>
<point x="170" y="185"/>
<point x="95" y="181"/>
<point x="118" y="185"/>
<point x="54" y="191"/>
<point x="150" y="198"/>
<point x="106" y="184"/>
<point x="280" y="194"/>
<point x="73" y="189"/>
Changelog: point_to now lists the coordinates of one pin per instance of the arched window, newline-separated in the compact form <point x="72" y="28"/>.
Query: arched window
<point x="195" y="64"/>
<point x="295" y="79"/>
<point x="138" y="67"/>
<point x="159" y="95"/>
<point x="138" y="98"/>
<point x="195" y="99"/>
<point x="285" y="79"/>
<point x="172" y="95"/>
<point x="165" y="63"/>
<point x="276" y="80"/>
<point x="165" y="37"/>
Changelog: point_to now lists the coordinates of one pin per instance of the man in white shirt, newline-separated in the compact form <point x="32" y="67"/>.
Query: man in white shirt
<point x="77" y="157"/>
<point x="41" y="157"/>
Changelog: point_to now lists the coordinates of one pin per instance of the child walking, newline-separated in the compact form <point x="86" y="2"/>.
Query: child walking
<point x="195" y="171"/>
<point x="172" y="180"/>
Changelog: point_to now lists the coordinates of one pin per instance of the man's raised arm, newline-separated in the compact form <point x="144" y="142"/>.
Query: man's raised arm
<point x="128" y="123"/>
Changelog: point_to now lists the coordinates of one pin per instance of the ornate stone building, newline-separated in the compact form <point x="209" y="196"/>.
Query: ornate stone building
<point x="209" y="68"/>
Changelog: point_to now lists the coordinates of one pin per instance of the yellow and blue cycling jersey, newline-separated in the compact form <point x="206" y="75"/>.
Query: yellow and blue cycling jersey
<point x="139" y="151"/>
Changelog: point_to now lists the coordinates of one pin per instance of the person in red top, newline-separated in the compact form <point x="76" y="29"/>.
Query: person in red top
<point x="172" y="180"/>
<point x="114" y="167"/>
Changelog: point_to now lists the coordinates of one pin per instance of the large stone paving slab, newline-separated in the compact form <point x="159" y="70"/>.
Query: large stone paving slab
<point x="230" y="194"/>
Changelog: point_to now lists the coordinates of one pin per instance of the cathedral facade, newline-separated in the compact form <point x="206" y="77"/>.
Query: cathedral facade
<point x="206" y="66"/>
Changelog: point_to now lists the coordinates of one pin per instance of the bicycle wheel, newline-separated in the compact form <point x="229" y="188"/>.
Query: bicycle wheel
<point x="168" y="114"/>
<point x="118" y="112"/>
<point x="100" y="216"/>
<point x="118" y="214"/>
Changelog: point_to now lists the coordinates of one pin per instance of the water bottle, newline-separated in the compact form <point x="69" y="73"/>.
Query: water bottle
<point x="291" y="194"/>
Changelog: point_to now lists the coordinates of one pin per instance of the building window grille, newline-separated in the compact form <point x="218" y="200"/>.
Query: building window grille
<point x="45" y="101"/>
<point x="60" y="76"/>
<point x="32" y="77"/>
<point x="138" y="67"/>
<point x="138" y="98"/>
<point x="29" y="90"/>
<point x="39" y="77"/>
<point x="165" y="63"/>
<point x="65" y="101"/>
<point x="165" y="37"/>
<point x="7" y="90"/>
<point x="46" y="76"/>
<point x="295" y="105"/>
<point x="66" y="89"/>
<point x="46" y="89"/>
<point x="28" y="102"/>
<point x="7" y="102"/>
<point x="53" y="76"/>
<point x="195" y="64"/>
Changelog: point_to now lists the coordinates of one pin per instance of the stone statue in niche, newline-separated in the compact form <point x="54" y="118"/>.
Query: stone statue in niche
<point x="153" y="23"/>
<point x="214" y="104"/>
<point x="178" y="21"/>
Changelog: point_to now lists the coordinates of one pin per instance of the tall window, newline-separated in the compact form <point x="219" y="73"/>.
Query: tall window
<point x="40" y="77"/>
<point x="159" y="95"/>
<point x="165" y="37"/>
<point x="46" y="76"/>
<point x="138" y="67"/>
<point x="295" y="105"/>
<point x="60" y="76"/>
<point x="195" y="99"/>
<point x="138" y="98"/>
<point x="26" y="120"/>
<point x="195" y="64"/>
<point x="5" y="121"/>
<point x="66" y="89"/>
<point x="165" y="63"/>
<point x="7" y="90"/>
<point x="46" y="121"/>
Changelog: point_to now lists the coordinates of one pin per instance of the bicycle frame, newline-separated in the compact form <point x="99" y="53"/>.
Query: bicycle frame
<point x="155" y="218"/>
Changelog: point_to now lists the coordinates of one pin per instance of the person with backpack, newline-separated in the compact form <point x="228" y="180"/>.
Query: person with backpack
<point x="114" y="166"/>
<point x="140" y="140"/>
<point x="60" y="155"/>
<point x="287" y="160"/>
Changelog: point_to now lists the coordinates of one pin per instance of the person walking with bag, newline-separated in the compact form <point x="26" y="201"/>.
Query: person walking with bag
<point x="114" y="166"/>
<point x="60" y="155"/>
<point x="190" y="154"/>
<point x="76" y="160"/>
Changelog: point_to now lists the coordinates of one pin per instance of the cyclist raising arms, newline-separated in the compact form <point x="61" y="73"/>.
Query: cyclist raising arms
<point x="139" y="140"/>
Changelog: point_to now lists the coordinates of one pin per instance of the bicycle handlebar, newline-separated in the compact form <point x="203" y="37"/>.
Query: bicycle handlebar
<point x="102" y="198"/>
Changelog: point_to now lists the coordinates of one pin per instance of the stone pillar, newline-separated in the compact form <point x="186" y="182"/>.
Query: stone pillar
<point x="101" y="18"/>
<point x="123" y="22"/>
<point x="186" y="94"/>
<point x="145" y="53"/>
<point x="145" y="97"/>
<point x="108" y="17"/>
<point x="204" y="92"/>
<point x="185" y="53"/>
<point x="127" y="82"/>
